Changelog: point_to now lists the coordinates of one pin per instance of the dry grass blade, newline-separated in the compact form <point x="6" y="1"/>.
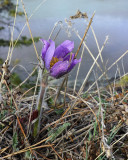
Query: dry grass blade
<point x="93" y="114"/>
<point x="119" y="139"/>
<point x="31" y="33"/>
<point x="26" y="79"/>
<point x="3" y="150"/>
<point x="89" y="72"/>
<point x="42" y="156"/>
<point x="25" y="150"/>
<point x="78" y="70"/>
<point x="9" y="54"/>
<point x="56" y="152"/>
<point x="12" y="33"/>
<point x="91" y="54"/>
<point x="109" y="69"/>
<point x="86" y="31"/>
<point x="6" y="128"/>
<point x="22" y="130"/>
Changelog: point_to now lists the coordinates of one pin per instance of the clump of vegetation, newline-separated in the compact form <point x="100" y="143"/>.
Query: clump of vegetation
<point x="1" y="61"/>
<point x="1" y="28"/>
<point x="9" y="7"/>
<point x="23" y="41"/>
<point x="12" y="13"/>
<point x="124" y="80"/>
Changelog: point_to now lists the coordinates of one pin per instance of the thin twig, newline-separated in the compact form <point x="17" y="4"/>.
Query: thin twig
<point x="78" y="70"/>
<point x="86" y="31"/>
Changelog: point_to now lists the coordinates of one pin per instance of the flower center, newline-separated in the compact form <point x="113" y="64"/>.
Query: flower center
<point x="53" y="61"/>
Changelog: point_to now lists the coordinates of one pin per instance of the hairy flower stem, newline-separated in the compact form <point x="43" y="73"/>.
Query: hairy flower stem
<point x="40" y="101"/>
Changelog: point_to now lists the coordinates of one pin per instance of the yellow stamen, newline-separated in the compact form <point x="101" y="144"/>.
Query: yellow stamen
<point x="53" y="61"/>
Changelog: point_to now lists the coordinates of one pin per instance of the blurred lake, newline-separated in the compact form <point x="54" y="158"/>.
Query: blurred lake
<point x="111" y="18"/>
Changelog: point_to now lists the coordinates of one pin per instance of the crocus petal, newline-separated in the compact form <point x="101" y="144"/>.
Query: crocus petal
<point x="59" y="69"/>
<point x="73" y="63"/>
<point x="45" y="48"/>
<point x="63" y="49"/>
<point x="49" y="54"/>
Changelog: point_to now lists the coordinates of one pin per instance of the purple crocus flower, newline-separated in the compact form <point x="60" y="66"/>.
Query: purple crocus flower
<point x="58" y="61"/>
